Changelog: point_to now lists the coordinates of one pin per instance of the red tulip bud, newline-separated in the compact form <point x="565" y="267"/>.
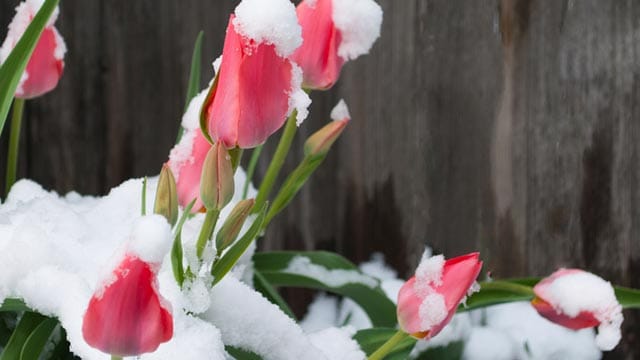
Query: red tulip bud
<point x="428" y="301"/>
<point x="577" y="299"/>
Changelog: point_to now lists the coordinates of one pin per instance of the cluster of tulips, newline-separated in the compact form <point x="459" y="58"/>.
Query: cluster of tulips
<point x="261" y="86"/>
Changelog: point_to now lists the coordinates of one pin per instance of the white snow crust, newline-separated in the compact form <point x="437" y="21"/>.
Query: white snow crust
<point x="298" y="98"/>
<point x="340" y="111"/>
<point x="583" y="291"/>
<point x="335" y="277"/>
<point x="359" y="22"/>
<point x="271" y="22"/>
<point x="56" y="250"/>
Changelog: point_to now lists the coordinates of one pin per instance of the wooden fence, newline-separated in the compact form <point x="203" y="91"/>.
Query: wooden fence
<point x="510" y="127"/>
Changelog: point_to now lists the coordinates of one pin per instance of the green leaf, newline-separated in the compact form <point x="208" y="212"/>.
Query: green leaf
<point x="193" y="86"/>
<point x="194" y="75"/>
<point x="36" y="342"/>
<point x="27" y="324"/>
<point x="262" y="286"/>
<point x="294" y="183"/>
<point x="628" y="298"/>
<point x="221" y="267"/>
<point x="521" y="289"/>
<point x="13" y="305"/>
<point x="371" y="339"/>
<point x="273" y="265"/>
<point x="240" y="354"/>
<point x="497" y="292"/>
<point x="12" y="69"/>
<point x="176" y="249"/>
<point x="451" y="351"/>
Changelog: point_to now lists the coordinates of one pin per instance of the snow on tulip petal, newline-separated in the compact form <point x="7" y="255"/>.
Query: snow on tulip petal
<point x="252" y="97"/>
<point x="126" y="315"/>
<point x="578" y="299"/>
<point x="46" y="64"/>
<point x="428" y="301"/>
<point x="128" y="318"/>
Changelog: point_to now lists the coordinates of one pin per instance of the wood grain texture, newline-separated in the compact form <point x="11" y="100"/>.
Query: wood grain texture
<point x="511" y="127"/>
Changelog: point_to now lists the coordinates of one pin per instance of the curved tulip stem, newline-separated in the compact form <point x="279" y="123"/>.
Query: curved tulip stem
<point x="388" y="346"/>
<point x="276" y="162"/>
<point x="14" y="142"/>
<point x="206" y="231"/>
<point x="255" y="156"/>
<point x="508" y="286"/>
<point x="114" y="357"/>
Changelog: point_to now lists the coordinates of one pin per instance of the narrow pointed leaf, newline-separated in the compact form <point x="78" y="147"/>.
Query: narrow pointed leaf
<point x="240" y="354"/>
<point x="264" y="287"/>
<point x="194" y="75"/>
<point x="176" y="249"/>
<point x="12" y="69"/>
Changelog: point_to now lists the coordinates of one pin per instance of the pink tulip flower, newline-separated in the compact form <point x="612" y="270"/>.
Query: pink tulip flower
<point x="45" y="66"/>
<point x="333" y="32"/>
<point x="128" y="317"/>
<point x="428" y="301"/>
<point x="577" y="299"/>
<point x="251" y="99"/>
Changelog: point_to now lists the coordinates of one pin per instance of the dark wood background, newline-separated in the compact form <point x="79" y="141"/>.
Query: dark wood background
<point x="506" y="126"/>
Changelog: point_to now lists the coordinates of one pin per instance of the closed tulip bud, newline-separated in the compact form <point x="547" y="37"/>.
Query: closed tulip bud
<point x="577" y="299"/>
<point x="257" y="85"/>
<point x="46" y="63"/>
<point x="233" y="224"/>
<point x="428" y="301"/>
<point x="126" y="316"/>
<point x="320" y="142"/>
<point x="333" y="32"/>
<point x="216" y="184"/>
<point x="166" y="203"/>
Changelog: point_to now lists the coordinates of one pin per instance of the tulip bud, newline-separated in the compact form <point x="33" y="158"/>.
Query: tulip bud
<point x="233" y="224"/>
<point x="577" y="299"/>
<point x="428" y="301"/>
<point x="216" y="184"/>
<point x="166" y="203"/>
<point x="46" y="63"/>
<point x="320" y="142"/>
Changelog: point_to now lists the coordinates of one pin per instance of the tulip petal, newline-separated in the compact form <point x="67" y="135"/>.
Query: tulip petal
<point x="251" y="100"/>
<point x="128" y="317"/>
<point x="318" y="55"/>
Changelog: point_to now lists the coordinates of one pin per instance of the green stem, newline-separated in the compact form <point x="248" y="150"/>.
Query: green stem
<point x="236" y="156"/>
<point x="206" y="232"/>
<point x="507" y="286"/>
<point x="114" y="357"/>
<point x="388" y="346"/>
<point x="255" y="156"/>
<point x="276" y="163"/>
<point x="14" y="144"/>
